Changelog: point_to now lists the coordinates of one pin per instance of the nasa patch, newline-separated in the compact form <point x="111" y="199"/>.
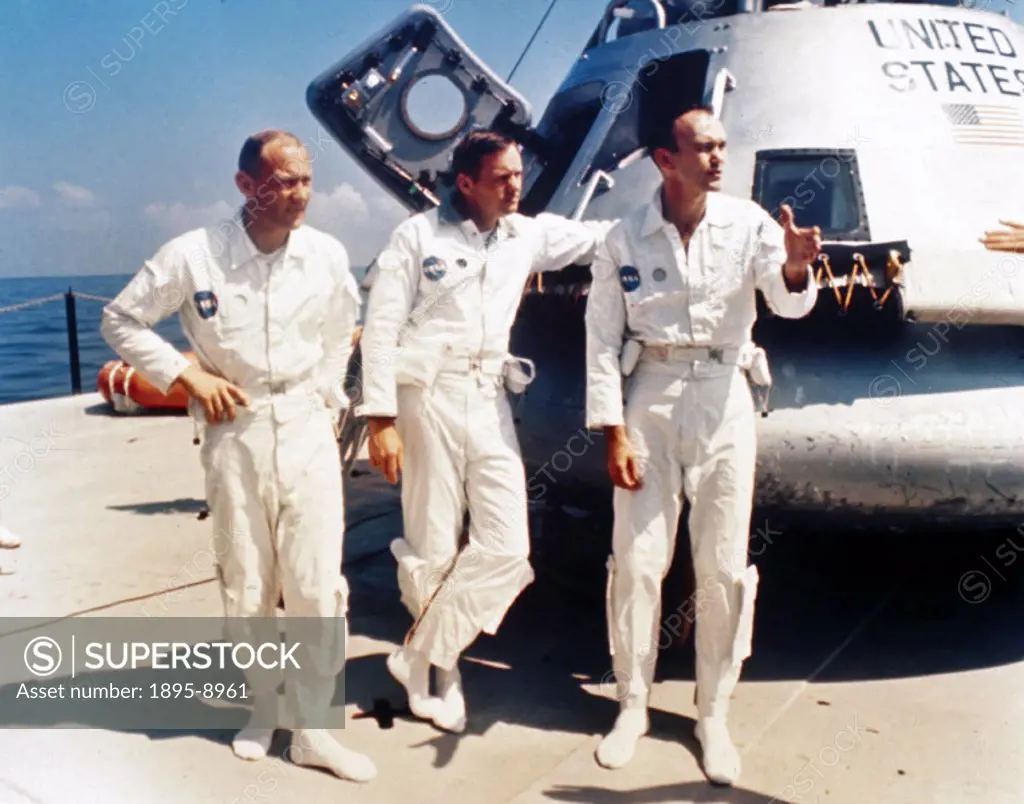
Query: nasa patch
<point x="630" y="278"/>
<point x="434" y="268"/>
<point x="206" y="303"/>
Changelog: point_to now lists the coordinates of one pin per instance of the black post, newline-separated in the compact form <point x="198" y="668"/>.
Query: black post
<point x="76" y="370"/>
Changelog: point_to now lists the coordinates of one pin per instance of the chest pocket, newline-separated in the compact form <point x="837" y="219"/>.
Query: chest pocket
<point x="308" y="314"/>
<point x="726" y="264"/>
<point x="241" y="309"/>
<point x="301" y="299"/>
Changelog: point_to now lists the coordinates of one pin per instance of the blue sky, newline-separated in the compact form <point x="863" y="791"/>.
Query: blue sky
<point x="123" y="118"/>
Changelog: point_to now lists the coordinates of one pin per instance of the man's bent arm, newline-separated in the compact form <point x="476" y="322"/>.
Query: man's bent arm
<point x="391" y="300"/>
<point x="606" y="325"/>
<point x="564" y="241"/>
<point x="769" y="260"/>
<point x="156" y="292"/>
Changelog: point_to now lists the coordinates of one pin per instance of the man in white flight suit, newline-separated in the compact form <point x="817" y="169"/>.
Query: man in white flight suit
<point x="435" y="369"/>
<point x="672" y="306"/>
<point x="270" y="306"/>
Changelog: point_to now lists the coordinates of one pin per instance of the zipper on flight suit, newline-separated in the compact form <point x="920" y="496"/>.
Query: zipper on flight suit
<point x="676" y="242"/>
<point x="491" y="238"/>
<point x="267" y="265"/>
<point x="266" y="327"/>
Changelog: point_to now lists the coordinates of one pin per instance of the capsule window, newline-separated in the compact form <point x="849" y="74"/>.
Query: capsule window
<point x="821" y="185"/>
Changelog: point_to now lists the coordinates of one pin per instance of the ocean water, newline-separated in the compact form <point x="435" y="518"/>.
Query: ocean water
<point x="34" y="357"/>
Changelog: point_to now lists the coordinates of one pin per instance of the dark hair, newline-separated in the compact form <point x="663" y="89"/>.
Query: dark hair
<point x="469" y="154"/>
<point x="251" y="155"/>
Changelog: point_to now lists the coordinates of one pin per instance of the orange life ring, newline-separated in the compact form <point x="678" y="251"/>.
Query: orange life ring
<point x="130" y="392"/>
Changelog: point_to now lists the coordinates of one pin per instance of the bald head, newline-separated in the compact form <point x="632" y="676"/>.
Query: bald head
<point x="275" y="175"/>
<point x="252" y="158"/>
<point x="696" y="123"/>
<point x="693" y="152"/>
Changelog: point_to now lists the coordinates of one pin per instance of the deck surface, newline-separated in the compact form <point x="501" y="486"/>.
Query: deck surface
<point x="873" y="678"/>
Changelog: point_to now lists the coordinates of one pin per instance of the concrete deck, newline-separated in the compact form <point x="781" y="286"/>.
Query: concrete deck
<point x="878" y="674"/>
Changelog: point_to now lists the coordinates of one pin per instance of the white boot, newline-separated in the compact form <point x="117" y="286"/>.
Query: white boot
<point x="721" y="760"/>
<point x="252" y="742"/>
<point x="316" y="748"/>
<point x="412" y="671"/>
<point x="8" y="540"/>
<point x="619" y="745"/>
<point x="453" y="702"/>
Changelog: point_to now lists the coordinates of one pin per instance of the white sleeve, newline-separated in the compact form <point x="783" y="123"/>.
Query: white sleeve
<point x="156" y="292"/>
<point x="338" y="329"/>
<point x="769" y="257"/>
<point x="391" y="301"/>
<point x="606" y="325"/>
<point x="565" y="242"/>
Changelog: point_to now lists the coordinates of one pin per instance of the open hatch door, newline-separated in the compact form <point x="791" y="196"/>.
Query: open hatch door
<point x="402" y="99"/>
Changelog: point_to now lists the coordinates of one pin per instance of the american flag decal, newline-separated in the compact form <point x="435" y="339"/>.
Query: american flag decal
<point x="984" y="124"/>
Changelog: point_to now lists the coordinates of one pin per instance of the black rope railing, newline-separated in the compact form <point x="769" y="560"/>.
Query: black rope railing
<point x="71" y="314"/>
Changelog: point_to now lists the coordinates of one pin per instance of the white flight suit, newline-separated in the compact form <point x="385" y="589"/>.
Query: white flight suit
<point x="280" y="328"/>
<point x="690" y="418"/>
<point x="435" y="349"/>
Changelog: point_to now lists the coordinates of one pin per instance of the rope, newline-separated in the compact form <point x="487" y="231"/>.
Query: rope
<point x="110" y="381"/>
<point x="90" y="297"/>
<point x="893" y="271"/>
<point x="13" y="308"/>
<point x="128" y="381"/>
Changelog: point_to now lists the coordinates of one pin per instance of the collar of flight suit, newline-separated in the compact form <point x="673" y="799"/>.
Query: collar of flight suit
<point x="241" y="248"/>
<point x="715" y="215"/>
<point x="449" y="213"/>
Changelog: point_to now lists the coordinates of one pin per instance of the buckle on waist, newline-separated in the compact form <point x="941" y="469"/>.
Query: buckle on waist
<point x="473" y="364"/>
<point x="282" y="387"/>
<point x="672" y="351"/>
<point x="663" y="352"/>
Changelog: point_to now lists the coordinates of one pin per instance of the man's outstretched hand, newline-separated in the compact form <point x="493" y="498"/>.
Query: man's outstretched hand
<point x="1011" y="240"/>
<point x="802" y="247"/>
<point x="802" y="243"/>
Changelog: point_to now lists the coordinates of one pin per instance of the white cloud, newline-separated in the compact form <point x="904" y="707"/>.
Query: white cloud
<point x="362" y="224"/>
<point x="343" y="207"/>
<point x="79" y="211"/>
<point x="74" y="196"/>
<point x="13" y="196"/>
<point x="179" y="218"/>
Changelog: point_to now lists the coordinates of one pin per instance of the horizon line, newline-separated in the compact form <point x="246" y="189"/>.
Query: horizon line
<point x="88" y="276"/>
